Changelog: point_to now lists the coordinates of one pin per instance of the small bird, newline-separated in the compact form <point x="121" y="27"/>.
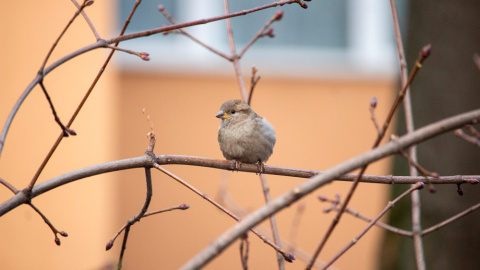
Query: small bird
<point x="244" y="136"/>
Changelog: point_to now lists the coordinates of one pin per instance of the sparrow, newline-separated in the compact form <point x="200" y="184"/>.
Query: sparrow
<point x="243" y="135"/>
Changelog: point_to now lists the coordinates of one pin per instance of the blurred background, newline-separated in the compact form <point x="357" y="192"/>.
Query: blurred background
<point x="317" y="78"/>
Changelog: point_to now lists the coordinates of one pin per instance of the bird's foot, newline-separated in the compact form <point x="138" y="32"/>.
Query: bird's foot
<point x="236" y="165"/>
<point x="260" y="167"/>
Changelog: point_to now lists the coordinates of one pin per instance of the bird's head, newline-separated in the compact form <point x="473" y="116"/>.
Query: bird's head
<point x="234" y="111"/>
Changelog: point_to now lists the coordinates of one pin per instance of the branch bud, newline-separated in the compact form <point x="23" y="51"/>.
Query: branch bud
<point x="270" y="32"/>
<point x="420" y="185"/>
<point x="289" y="257"/>
<point x="88" y="3"/>
<point x="57" y="241"/>
<point x="373" y="102"/>
<point x="279" y="15"/>
<point x="109" y="245"/>
<point x="425" y="52"/>
<point x="459" y="190"/>
<point x="322" y="198"/>
<point x="144" y="56"/>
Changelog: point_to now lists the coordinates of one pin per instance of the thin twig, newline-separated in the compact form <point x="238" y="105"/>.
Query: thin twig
<point x="142" y="55"/>
<point x="66" y="131"/>
<point x="182" y="206"/>
<point x="50" y="225"/>
<point x="450" y="220"/>
<point x="473" y="131"/>
<point x="85" y="4"/>
<point x="273" y="222"/>
<point x="9" y="186"/>
<point x="185" y="33"/>
<point x="278" y="16"/>
<point x="357" y="214"/>
<point x="244" y="247"/>
<point x="287" y="255"/>
<point x="136" y="218"/>
<point x="424" y="172"/>
<point x="87" y="19"/>
<point x="127" y="230"/>
<point x="234" y="56"/>
<point x="370" y="225"/>
<point x="253" y="82"/>
<point x="471" y="139"/>
<point x="124" y="246"/>
<point x="373" y="105"/>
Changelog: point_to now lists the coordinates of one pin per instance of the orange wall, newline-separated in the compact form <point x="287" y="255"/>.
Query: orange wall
<point x="319" y="123"/>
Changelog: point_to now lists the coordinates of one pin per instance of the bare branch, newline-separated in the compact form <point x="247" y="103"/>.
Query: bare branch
<point x="471" y="139"/>
<point x="87" y="19"/>
<point x="182" y="206"/>
<point x="136" y="218"/>
<point x="373" y="105"/>
<point x="80" y="8"/>
<point x="450" y="220"/>
<point x="142" y="55"/>
<point x="357" y="214"/>
<point x="185" y="33"/>
<point x="244" y="247"/>
<point x="253" y="82"/>
<point x="143" y="161"/>
<point x="50" y="225"/>
<point x="278" y="16"/>
<point x="9" y="186"/>
<point x="234" y="56"/>
<point x="66" y="131"/>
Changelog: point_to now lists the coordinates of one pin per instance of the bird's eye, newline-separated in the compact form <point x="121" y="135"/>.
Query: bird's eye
<point x="233" y="112"/>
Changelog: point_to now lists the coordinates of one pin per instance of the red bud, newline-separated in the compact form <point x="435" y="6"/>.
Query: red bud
<point x="109" y="245"/>
<point x="373" y="102"/>
<point x="289" y="257"/>
<point x="279" y="15"/>
<point x="425" y="52"/>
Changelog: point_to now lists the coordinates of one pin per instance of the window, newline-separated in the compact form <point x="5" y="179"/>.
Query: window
<point x="330" y="37"/>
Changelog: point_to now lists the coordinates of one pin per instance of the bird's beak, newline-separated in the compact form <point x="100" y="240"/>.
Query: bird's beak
<point x="221" y="115"/>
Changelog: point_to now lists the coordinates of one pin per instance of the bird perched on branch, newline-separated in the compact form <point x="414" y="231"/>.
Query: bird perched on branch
<point x="244" y="136"/>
